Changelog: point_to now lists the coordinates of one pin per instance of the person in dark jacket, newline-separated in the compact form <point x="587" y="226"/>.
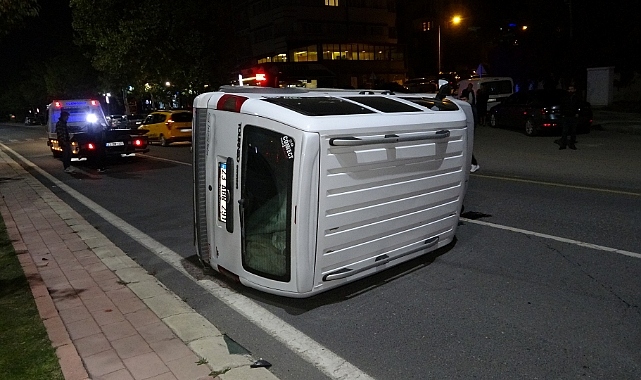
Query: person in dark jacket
<point x="569" y="120"/>
<point x="64" y="141"/>
<point x="482" y="97"/>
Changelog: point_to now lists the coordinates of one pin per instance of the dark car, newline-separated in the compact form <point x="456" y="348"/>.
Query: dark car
<point x="422" y="85"/>
<point x="538" y="111"/>
<point x="117" y="121"/>
<point x="134" y="120"/>
<point x="33" y="120"/>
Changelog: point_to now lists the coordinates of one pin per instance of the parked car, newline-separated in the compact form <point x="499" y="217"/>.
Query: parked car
<point x="168" y="126"/>
<point x="134" y="119"/>
<point x="33" y="120"/>
<point x="422" y="85"/>
<point x="116" y="121"/>
<point x="391" y="86"/>
<point x="538" y="111"/>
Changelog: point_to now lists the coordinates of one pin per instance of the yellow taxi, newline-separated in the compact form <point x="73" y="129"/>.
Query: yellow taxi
<point x="168" y="126"/>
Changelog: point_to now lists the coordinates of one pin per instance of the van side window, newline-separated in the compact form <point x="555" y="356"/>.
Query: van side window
<point x="266" y="192"/>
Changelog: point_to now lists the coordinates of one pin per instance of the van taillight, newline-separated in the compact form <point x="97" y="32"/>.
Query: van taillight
<point x="91" y="146"/>
<point x="94" y="102"/>
<point x="138" y="142"/>
<point x="230" y="102"/>
<point x="58" y="105"/>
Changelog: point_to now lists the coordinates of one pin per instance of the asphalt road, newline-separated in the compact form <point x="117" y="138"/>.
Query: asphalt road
<point x="542" y="282"/>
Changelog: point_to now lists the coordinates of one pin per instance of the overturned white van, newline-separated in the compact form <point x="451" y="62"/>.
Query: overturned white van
<point x="299" y="191"/>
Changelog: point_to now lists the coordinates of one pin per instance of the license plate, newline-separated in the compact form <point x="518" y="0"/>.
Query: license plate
<point x="222" y="192"/>
<point x="115" y="143"/>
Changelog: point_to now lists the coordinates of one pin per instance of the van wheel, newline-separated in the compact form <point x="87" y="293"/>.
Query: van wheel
<point x="163" y="141"/>
<point x="530" y="129"/>
<point x="493" y="122"/>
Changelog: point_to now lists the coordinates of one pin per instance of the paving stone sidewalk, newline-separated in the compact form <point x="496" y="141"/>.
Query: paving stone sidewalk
<point x="106" y="316"/>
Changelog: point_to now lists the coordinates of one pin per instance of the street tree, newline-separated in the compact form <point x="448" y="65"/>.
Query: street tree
<point x="14" y="13"/>
<point x="146" y="44"/>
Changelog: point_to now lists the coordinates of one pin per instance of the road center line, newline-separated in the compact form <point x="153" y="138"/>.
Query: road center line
<point x="552" y="237"/>
<point x="313" y="352"/>
<point x="164" y="159"/>
<point x="558" y="185"/>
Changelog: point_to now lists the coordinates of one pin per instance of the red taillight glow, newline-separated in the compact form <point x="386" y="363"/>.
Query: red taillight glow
<point x="260" y="77"/>
<point x="230" y="102"/>
<point x="138" y="142"/>
<point x="57" y="104"/>
<point x="91" y="146"/>
<point x="94" y="102"/>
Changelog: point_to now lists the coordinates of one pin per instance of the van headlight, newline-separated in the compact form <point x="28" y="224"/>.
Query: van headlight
<point x="92" y="118"/>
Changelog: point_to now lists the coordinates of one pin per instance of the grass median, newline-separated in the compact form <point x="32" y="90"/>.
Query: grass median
<point x="25" y="349"/>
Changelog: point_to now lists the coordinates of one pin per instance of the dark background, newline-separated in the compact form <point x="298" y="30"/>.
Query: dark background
<point x="563" y="38"/>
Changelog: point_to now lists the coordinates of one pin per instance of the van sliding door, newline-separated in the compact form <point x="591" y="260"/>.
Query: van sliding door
<point x="266" y="204"/>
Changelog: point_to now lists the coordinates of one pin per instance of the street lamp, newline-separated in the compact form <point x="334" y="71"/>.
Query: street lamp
<point x="454" y="20"/>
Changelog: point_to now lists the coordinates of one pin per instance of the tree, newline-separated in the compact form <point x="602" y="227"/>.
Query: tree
<point x="150" y="43"/>
<point x="13" y="14"/>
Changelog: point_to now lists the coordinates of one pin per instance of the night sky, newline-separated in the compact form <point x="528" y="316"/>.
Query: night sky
<point x="47" y="35"/>
<point x="603" y="35"/>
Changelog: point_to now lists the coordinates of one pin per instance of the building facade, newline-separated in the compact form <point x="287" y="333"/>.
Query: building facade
<point x="320" y="43"/>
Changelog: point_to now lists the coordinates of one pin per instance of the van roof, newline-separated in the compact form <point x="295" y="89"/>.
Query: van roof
<point x="310" y="109"/>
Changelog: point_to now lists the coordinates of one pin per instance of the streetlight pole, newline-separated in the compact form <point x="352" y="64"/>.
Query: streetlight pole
<point x="439" y="49"/>
<point x="455" y="20"/>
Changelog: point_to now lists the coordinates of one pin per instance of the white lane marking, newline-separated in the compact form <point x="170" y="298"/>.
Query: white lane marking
<point x="557" y="238"/>
<point x="165" y="159"/>
<point x="320" y="356"/>
<point x="558" y="185"/>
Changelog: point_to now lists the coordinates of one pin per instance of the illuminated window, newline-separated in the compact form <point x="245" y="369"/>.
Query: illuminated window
<point x="365" y="52"/>
<point x="331" y="52"/>
<point x="280" y="58"/>
<point x="349" y="52"/>
<point x="263" y="60"/>
<point x="331" y="3"/>
<point x="306" y="54"/>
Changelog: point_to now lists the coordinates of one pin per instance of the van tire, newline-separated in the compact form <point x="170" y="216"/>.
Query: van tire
<point x="163" y="141"/>
<point x="530" y="129"/>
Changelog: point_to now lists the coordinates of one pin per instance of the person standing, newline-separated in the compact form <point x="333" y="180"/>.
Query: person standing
<point x="482" y="97"/>
<point x="64" y="140"/>
<point x="469" y="96"/>
<point x="569" y="120"/>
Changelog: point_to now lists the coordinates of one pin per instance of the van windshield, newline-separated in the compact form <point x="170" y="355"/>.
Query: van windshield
<point x="266" y="191"/>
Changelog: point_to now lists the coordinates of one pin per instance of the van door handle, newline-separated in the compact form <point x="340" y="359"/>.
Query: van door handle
<point x="367" y="140"/>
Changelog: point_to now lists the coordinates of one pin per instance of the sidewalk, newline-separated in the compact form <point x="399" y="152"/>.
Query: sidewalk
<point x="621" y="122"/>
<point x="106" y="316"/>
